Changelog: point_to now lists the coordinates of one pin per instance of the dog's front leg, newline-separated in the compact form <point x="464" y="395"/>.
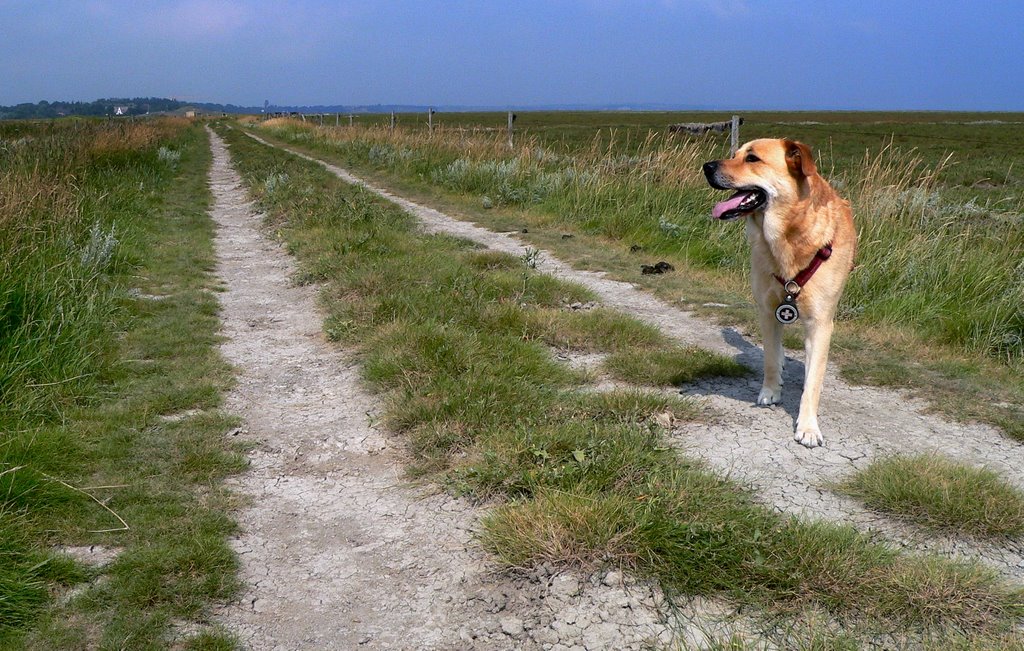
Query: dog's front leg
<point x="774" y="358"/>
<point x="816" y="345"/>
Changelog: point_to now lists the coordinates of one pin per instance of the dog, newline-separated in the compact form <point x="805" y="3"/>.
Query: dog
<point x="803" y="242"/>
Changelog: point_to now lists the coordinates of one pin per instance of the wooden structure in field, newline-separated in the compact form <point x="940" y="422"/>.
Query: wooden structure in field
<point x="700" y="128"/>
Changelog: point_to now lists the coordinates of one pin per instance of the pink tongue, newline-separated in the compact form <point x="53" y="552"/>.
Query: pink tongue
<point x="724" y="206"/>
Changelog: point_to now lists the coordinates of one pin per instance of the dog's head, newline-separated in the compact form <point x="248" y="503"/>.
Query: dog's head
<point x="762" y="172"/>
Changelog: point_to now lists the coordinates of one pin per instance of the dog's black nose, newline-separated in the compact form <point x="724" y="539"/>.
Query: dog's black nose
<point x="710" y="170"/>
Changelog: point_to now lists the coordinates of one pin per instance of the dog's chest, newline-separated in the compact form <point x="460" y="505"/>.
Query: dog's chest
<point x="761" y="235"/>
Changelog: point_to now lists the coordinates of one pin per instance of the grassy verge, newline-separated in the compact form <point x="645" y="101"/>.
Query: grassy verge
<point x="449" y="335"/>
<point x="942" y="494"/>
<point x="111" y="433"/>
<point x="933" y="305"/>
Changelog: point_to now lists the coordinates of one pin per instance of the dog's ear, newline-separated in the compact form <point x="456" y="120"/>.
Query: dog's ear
<point x="799" y="159"/>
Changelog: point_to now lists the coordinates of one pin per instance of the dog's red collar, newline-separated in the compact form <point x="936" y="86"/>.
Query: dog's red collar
<point x="824" y="253"/>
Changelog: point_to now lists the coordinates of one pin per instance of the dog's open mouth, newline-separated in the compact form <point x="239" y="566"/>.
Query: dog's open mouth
<point x="739" y="204"/>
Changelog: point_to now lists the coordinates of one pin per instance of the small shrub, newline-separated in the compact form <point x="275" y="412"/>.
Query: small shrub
<point x="382" y="155"/>
<point x="274" y="182"/>
<point x="168" y="156"/>
<point x="98" y="251"/>
<point x="669" y="228"/>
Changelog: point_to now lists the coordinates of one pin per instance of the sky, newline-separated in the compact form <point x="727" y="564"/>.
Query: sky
<point x="718" y="54"/>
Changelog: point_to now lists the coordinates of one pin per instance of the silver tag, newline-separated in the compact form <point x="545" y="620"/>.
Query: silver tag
<point x="787" y="312"/>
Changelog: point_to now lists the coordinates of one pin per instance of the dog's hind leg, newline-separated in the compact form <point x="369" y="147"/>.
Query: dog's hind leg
<point x="774" y="357"/>
<point x="816" y="345"/>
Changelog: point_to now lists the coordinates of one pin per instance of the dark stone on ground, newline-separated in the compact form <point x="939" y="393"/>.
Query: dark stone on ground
<point x="657" y="268"/>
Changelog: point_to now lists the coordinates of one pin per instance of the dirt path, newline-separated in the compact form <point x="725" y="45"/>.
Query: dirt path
<point x="337" y="551"/>
<point x="755" y="445"/>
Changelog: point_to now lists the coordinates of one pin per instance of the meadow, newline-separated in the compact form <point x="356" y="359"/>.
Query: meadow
<point x="110" y="382"/>
<point x="937" y="199"/>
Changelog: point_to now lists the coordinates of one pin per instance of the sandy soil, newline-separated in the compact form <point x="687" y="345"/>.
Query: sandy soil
<point x="338" y="551"/>
<point x="755" y="445"/>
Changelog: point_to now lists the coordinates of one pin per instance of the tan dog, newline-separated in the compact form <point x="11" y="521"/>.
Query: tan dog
<point x="802" y="242"/>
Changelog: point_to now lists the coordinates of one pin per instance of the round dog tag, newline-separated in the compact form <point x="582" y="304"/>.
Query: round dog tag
<point x="787" y="312"/>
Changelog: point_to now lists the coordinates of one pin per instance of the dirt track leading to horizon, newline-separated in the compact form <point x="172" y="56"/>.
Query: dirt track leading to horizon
<point x="338" y="551"/>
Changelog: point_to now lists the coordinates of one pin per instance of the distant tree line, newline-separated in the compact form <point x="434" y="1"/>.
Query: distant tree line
<point x="144" y="105"/>
<point x="101" y="107"/>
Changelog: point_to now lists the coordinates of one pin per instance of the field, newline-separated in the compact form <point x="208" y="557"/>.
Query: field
<point x="544" y="408"/>
<point x="982" y="144"/>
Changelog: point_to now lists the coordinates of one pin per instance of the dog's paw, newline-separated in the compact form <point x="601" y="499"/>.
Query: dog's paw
<point x="809" y="437"/>
<point x="769" y="396"/>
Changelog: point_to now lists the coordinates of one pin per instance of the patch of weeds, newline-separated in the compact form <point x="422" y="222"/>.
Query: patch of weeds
<point x="212" y="641"/>
<point x="532" y="257"/>
<point x="168" y="156"/>
<point x="492" y="260"/>
<point x="671" y="365"/>
<point x="274" y="182"/>
<point x="941" y="493"/>
<point x="577" y="456"/>
<point x="790" y="638"/>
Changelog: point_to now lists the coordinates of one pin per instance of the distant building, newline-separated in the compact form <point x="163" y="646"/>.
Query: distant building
<point x="120" y="110"/>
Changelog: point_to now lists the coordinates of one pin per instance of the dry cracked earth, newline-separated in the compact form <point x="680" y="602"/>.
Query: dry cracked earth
<point x="340" y="552"/>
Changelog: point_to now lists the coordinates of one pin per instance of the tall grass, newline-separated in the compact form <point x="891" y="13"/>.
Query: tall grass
<point x="56" y="304"/>
<point x="950" y="271"/>
<point x="57" y="251"/>
<point x="88" y="210"/>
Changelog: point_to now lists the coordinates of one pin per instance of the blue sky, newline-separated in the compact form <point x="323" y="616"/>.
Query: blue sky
<point x="724" y="54"/>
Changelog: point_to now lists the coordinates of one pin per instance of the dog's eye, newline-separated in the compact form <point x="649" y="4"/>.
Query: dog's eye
<point x="751" y="159"/>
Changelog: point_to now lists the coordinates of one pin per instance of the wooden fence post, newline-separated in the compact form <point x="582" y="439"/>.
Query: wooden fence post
<point x="511" y="119"/>
<point x="350" y="118"/>
<point x="336" y="117"/>
<point x="734" y="135"/>
<point x="430" y="121"/>
<point x="392" y="120"/>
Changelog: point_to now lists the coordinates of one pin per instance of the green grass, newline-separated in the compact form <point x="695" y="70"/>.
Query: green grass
<point x="940" y="493"/>
<point x="935" y="294"/>
<point x="449" y="336"/>
<point x="84" y="423"/>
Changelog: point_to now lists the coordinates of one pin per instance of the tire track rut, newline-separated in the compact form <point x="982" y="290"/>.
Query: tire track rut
<point x="338" y="551"/>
